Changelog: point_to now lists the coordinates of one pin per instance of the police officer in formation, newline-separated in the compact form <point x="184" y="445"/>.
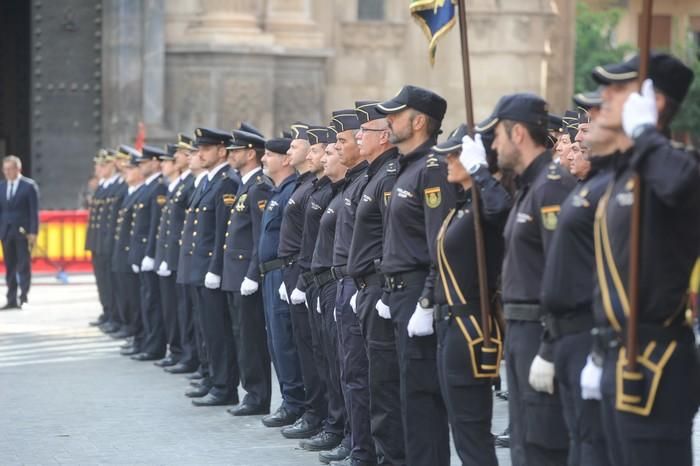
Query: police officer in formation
<point x="385" y="275"/>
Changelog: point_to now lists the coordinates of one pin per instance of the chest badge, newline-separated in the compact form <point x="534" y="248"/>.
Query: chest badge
<point x="228" y="199"/>
<point x="433" y="197"/>
<point x="161" y="200"/>
<point x="261" y="204"/>
<point x="549" y="216"/>
<point x="387" y="197"/>
<point x="240" y="205"/>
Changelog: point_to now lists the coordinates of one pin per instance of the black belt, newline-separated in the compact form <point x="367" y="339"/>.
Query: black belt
<point x="607" y="338"/>
<point x="324" y="277"/>
<point x="445" y="311"/>
<point x="339" y="272"/>
<point x="307" y="278"/>
<point x="372" y="279"/>
<point x="399" y="281"/>
<point x="514" y="311"/>
<point x="558" y="326"/>
<point x="278" y="263"/>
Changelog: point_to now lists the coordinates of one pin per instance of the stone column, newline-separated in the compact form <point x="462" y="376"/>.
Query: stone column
<point x="292" y="24"/>
<point x="228" y="21"/>
<point x="153" y="61"/>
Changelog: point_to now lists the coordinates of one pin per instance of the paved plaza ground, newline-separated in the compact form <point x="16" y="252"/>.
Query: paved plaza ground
<point x="67" y="397"/>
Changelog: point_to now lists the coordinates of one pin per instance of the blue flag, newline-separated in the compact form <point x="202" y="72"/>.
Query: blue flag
<point x="436" y="17"/>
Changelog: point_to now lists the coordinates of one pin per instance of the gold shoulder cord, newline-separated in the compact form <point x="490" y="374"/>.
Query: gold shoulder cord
<point x="443" y="263"/>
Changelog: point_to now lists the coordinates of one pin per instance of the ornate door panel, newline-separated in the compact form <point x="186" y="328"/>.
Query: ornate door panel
<point x="65" y="96"/>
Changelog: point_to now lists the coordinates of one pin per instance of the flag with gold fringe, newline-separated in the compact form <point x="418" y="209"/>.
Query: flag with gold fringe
<point x="436" y="17"/>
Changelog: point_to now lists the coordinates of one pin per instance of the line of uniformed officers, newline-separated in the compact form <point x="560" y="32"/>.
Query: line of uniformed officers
<point x="345" y="257"/>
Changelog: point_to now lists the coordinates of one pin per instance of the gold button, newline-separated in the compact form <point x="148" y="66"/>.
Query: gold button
<point x="240" y="256"/>
<point x="211" y="253"/>
<point x="179" y="242"/>
<point x="143" y="240"/>
<point x="194" y="233"/>
<point x="165" y="245"/>
<point x="196" y="222"/>
<point x="126" y="248"/>
<point x="224" y="247"/>
<point x="228" y="223"/>
<point x="226" y="234"/>
<point x="197" y="209"/>
<point x="204" y="209"/>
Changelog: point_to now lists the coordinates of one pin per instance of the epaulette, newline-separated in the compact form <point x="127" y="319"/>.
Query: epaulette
<point x="431" y="161"/>
<point x="391" y="168"/>
<point x="553" y="172"/>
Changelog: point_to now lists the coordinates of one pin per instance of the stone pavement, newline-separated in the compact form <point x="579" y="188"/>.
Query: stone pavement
<point x="67" y="397"/>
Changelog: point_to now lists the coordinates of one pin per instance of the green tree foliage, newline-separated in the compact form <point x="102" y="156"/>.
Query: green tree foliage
<point x="687" y="122"/>
<point x="595" y="43"/>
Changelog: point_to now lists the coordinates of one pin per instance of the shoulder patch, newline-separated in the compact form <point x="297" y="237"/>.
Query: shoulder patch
<point x="161" y="200"/>
<point x="433" y="197"/>
<point x="550" y="214"/>
<point x="553" y="172"/>
<point x="228" y="199"/>
<point x="391" y="168"/>
<point x="431" y="162"/>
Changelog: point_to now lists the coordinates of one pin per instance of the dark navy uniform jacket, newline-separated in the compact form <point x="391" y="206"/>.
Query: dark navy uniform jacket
<point x="318" y="201"/>
<point x="169" y="227"/>
<point x="184" y="262"/>
<point x="115" y="195"/>
<point x="323" y="252"/>
<point x="124" y="229"/>
<point x="20" y="211"/>
<point x="145" y="221"/>
<point x="94" y="206"/>
<point x="567" y="284"/>
<point x="419" y="203"/>
<point x="240" y="249"/>
<point x="355" y="182"/>
<point x="669" y="231"/>
<point x="542" y="188"/>
<point x="456" y="270"/>
<point x="272" y="219"/>
<point x="211" y="212"/>
<point x="293" y="222"/>
<point x="178" y="209"/>
<point x="368" y="234"/>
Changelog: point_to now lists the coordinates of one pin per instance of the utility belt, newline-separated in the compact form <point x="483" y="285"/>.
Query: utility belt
<point x="372" y="279"/>
<point x="522" y="311"/>
<point x="446" y="312"/>
<point x="557" y="326"/>
<point x="636" y="389"/>
<point x="324" y="277"/>
<point x="400" y="281"/>
<point x="276" y="264"/>
<point x="307" y="278"/>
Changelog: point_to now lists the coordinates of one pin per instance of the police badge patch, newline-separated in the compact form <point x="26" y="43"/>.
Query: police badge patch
<point x="161" y="200"/>
<point x="228" y="199"/>
<point x="433" y="197"/>
<point x="387" y="197"/>
<point x="549" y="216"/>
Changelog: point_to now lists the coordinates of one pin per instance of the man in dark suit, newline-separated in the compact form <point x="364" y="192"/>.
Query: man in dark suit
<point x="241" y="275"/>
<point x="19" y="223"/>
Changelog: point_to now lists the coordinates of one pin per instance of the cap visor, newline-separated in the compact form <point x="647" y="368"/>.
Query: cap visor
<point x="613" y="74"/>
<point x="487" y="125"/>
<point x="390" y="106"/>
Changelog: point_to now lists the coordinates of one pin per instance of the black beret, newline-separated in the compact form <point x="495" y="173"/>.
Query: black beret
<point x="185" y="142"/>
<point x="317" y="135"/>
<point x="299" y="130"/>
<point x="423" y="100"/>
<point x="332" y="134"/>
<point x="366" y="110"/>
<point x="671" y="76"/>
<point x="453" y="142"/>
<point x="278" y="145"/>
<point x="248" y="128"/>
<point x="345" y="120"/>
<point x="570" y="122"/>
<point x="209" y="136"/>
<point x="246" y="140"/>
<point x="152" y="153"/>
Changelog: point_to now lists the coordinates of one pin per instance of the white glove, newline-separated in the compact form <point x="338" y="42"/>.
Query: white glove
<point x="147" y="264"/>
<point x="297" y="296"/>
<point x="542" y="375"/>
<point x="212" y="281"/>
<point x="383" y="310"/>
<point x="473" y="153"/>
<point x="640" y="110"/>
<point x="134" y="268"/>
<point x="248" y="287"/>
<point x="353" y="303"/>
<point x="335" y="316"/>
<point x="283" y="293"/>
<point x="421" y="322"/>
<point x="318" y="305"/>
<point x="163" y="270"/>
<point x="590" y="380"/>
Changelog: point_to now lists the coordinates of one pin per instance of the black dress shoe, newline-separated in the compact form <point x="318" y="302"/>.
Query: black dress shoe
<point x="195" y="376"/>
<point x="216" y="400"/>
<point x="111" y="327"/>
<point x="123" y="333"/>
<point x="198" y="392"/>
<point x="339" y="453"/>
<point x="301" y="429"/>
<point x="10" y="307"/>
<point x="145" y="357"/>
<point x="502" y="440"/>
<point x="166" y="362"/>
<point x="130" y="351"/>
<point x="280" y="418"/>
<point x="181" y="368"/>
<point x="100" y="320"/>
<point x="322" y="441"/>
<point x="247" y="409"/>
